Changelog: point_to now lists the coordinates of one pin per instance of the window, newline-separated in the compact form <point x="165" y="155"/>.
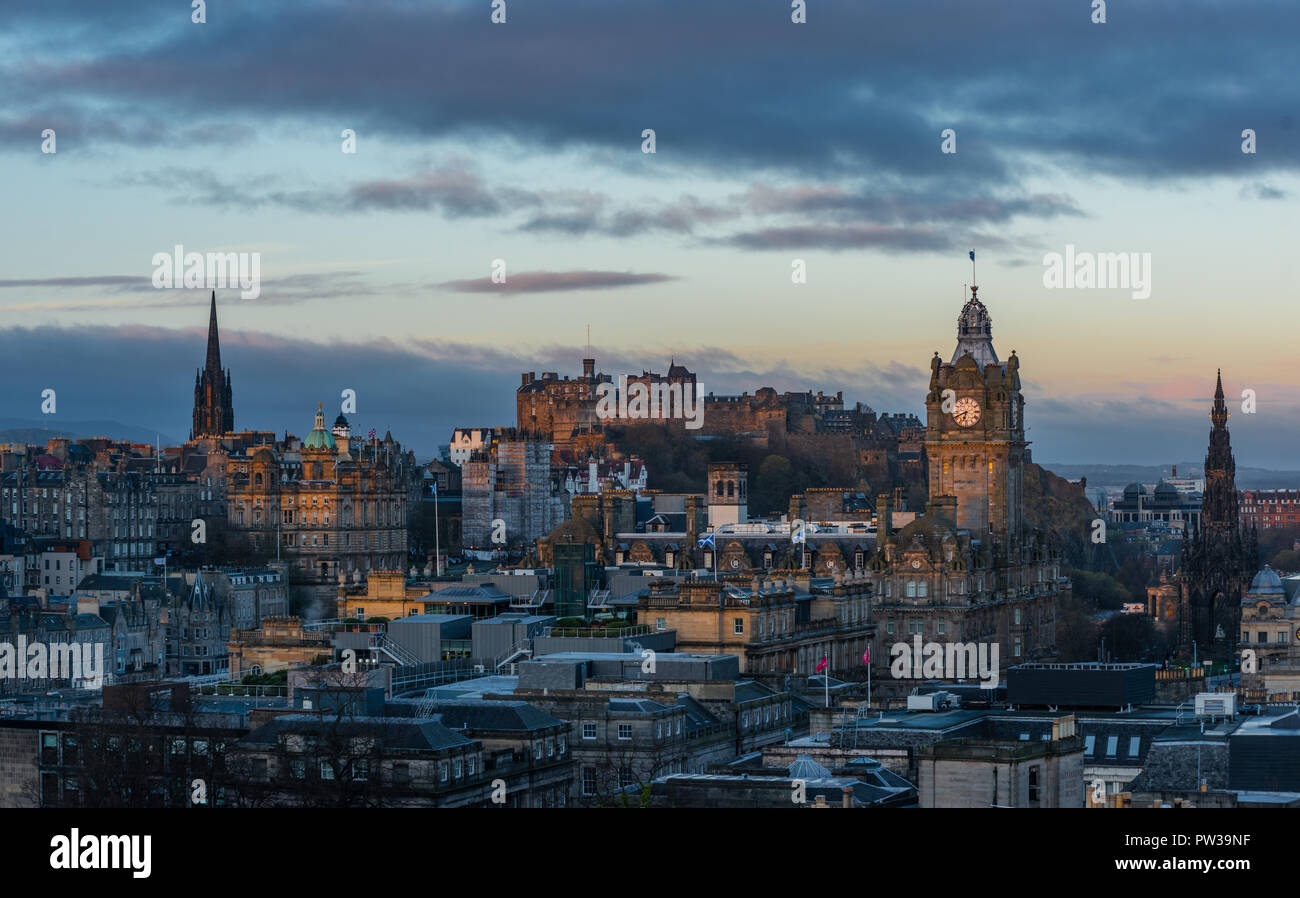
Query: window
<point x="537" y="750"/>
<point x="1089" y="742"/>
<point x="1112" y="746"/>
<point x="1134" y="744"/>
<point x="661" y="623"/>
<point x="443" y="773"/>
<point x="738" y="625"/>
<point x="589" y="781"/>
<point x="1033" y="784"/>
<point x="298" y="769"/>
<point x="625" y="731"/>
<point x="326" y="770"/>
<point x="459" y="769"/>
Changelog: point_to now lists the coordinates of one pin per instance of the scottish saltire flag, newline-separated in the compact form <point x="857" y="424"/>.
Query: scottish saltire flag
<point x="706" y="541"/>
<point x="434" y="485"/>
<point x="972" y="255"/>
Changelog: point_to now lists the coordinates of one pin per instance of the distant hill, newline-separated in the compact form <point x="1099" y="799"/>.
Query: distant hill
<point x="16" y="430"/>
<point x="1122" y="475"/>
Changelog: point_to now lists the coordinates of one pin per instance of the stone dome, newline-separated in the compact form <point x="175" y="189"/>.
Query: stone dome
<point x="1267" y="582"/>
<point x="1134" y="490"/>
<point x="1166" y="490"/>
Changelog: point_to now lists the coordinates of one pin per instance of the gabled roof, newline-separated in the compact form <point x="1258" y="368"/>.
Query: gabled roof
<point x="493" y="715"/>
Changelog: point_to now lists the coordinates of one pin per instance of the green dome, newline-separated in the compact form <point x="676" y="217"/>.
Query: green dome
<point x="319" y="438"/>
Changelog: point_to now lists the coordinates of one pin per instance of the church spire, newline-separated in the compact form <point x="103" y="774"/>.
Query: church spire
<point x="214" y="412"/>
<point x="213" y="363"/>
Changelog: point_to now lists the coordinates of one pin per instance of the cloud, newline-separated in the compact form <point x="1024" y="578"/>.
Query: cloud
<point x="859" y="89"/>
<point x="1261" y="191"/>
<point x="287" y="290"/>
<point x="556" y="281"/>
<point x="842" y="237"/>
<point x="99" y="280"/>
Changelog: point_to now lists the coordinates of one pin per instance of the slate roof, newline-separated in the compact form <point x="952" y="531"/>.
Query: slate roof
<point x="409" y="733"/>
<point x="491" y="715"/>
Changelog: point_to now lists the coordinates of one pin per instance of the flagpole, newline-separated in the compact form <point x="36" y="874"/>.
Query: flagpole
<point x="868" y="676"/>
<point x="826" y="679"/>
<point x="437" y="543"/>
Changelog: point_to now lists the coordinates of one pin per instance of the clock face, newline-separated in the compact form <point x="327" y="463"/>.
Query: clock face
<point x="916" y="562"/>
<point x="966" y="412"/>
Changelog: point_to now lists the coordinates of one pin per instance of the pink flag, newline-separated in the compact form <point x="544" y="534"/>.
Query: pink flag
<point x="821" y="665"/>
<point x="866" y="656"/>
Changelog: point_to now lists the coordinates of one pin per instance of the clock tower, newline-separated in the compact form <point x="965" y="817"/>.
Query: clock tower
<point x="975" y="434"/>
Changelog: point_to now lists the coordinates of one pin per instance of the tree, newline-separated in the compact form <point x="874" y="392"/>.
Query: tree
<point x="336" y="759"/>
<point x="1076" y="633"/>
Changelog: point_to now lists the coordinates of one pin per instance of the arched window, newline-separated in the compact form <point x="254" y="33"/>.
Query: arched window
<point x="257" y="479"/>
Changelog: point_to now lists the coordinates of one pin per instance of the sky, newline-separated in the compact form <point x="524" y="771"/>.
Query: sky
<point x="521" y="145"/>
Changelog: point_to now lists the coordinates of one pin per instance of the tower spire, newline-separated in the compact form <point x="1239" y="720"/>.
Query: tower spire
<point x="214" y="343"/>
<point x="1219" y="412"/>
<point x="214" y="412"/>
